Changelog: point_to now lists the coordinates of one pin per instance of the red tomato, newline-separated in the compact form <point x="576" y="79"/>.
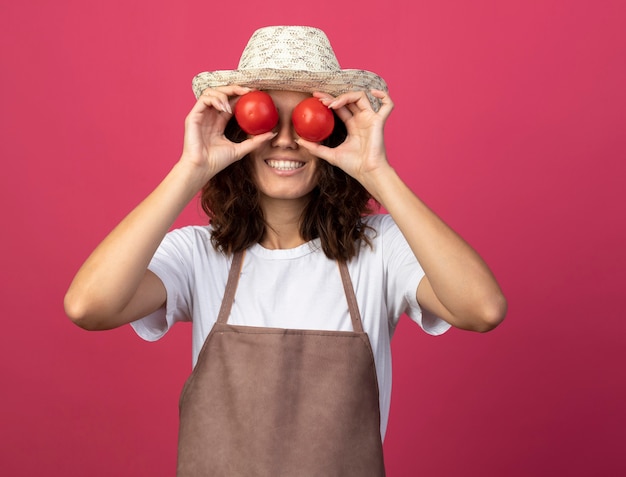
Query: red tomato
<point x="256" y="112"/>
<point x="312" y="120"/>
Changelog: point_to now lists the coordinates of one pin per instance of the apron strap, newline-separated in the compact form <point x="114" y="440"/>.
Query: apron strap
<point x="353" y="306"/>
<point x="231" y="288"/>
<point x="233" y="280"/>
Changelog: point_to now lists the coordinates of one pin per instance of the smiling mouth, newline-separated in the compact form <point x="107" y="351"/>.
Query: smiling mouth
<point x="284" y="165"/>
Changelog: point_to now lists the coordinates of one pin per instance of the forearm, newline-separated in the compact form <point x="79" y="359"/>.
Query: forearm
<point x="110" y="278"/>
<point x="114" y="287"/>
<point x="459" y="284"/>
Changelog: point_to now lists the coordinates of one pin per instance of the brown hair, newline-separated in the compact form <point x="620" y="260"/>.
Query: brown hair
<point x="334" y="213"/>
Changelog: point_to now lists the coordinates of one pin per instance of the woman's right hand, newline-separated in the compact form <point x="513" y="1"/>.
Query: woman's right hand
<point x="114" y="287"/>
<point x="205" y="145"/>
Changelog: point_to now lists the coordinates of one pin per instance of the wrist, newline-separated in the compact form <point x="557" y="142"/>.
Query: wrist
<point x="380" y="181"/>
<point x="192" y="175"/>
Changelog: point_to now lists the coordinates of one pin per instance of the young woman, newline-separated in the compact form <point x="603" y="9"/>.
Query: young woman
<point x="295" y="287"/>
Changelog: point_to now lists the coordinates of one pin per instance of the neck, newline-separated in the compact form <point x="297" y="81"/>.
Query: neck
<point x="283" y="224"/>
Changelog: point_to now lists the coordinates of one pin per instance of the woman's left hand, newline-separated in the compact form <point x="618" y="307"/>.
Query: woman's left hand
<point x="363" y="152"/>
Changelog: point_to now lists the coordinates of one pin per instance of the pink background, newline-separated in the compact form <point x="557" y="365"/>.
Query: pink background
<point x="509" y="121"/>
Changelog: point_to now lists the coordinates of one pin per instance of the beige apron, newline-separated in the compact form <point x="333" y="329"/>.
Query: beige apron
<point x="281" y="402"/>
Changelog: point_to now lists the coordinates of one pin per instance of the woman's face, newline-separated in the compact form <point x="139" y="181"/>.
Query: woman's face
<point x="282" y="169"/>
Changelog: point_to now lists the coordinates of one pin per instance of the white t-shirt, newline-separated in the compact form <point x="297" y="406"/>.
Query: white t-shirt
<point x="297" y="288"/>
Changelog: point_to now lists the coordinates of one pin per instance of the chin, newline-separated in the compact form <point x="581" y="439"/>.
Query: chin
<point x="287" y="195"/>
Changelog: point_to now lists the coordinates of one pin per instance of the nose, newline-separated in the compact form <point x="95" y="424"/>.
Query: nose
<point x="286" y="135"/>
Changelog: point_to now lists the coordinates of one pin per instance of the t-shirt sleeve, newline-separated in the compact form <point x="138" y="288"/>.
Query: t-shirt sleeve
<point x="404" y="274"/>
<point x="172" y="263"/>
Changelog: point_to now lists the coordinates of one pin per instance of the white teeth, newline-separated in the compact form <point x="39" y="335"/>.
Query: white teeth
<point x="285" y="165"/>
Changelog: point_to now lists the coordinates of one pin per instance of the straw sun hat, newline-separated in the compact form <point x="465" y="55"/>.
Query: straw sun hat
<point x="292" y="58"/>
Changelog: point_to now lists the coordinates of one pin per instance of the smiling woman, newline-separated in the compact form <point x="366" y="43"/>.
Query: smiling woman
<point x="231" y="198"/>
<point x="295" y="287"/>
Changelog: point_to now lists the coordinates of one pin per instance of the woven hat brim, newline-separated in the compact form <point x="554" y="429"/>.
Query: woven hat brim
<point x="334" y="83"/>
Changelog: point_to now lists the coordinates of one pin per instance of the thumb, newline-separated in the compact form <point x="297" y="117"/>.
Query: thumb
<point x="317" y="149"/>
<point x="250" y="144"/>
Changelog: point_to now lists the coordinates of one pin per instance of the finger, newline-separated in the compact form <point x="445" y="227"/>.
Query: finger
<point x="363" y="102"/>
<point x="324" y="97"/>
<point x="234" y="92"/>
<point x="353" y="108"/>
<point x="386" y="103"/>
<point x="234" y="89"/>
<point x="317" y="149"/>
<point x="223" y="98"/>
<point x="215" y="99"/>
<point x="344" y="114"/>
<point x="356" y="98"/>
<point x="252" y="143"/>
